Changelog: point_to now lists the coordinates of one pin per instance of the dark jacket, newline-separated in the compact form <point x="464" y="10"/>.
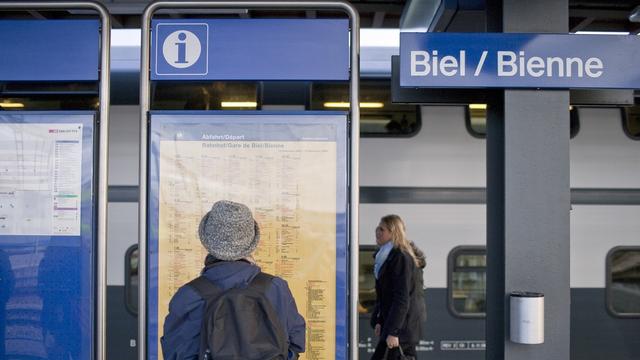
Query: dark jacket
<point x="181" y="337"/>
<point x="400" y="307"/>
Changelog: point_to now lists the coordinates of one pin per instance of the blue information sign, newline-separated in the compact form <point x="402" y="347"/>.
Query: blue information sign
<point x="250" y="49"/>
<point x="47" y="235"/>
<point x="257" y="158"/>
<point x="496" y="60"/>
<point x="49" y="50"/>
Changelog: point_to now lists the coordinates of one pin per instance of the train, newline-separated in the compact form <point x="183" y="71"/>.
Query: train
<point x="426" y="163"/>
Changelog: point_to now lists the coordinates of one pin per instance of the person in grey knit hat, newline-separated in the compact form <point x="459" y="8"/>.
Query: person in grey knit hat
<point x="230" y="234"/>
<point x="229" y="231"/>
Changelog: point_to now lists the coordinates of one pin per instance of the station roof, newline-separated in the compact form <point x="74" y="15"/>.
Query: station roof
<point x="461" y="15"/>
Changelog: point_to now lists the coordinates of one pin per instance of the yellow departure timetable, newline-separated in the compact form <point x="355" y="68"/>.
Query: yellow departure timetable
<point x="290" y="186"/>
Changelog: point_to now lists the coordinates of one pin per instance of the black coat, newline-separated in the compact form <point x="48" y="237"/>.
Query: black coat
<point x="400" y="307"/>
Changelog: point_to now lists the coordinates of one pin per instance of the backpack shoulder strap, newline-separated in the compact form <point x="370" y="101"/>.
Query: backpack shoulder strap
<point x="205" y="288"/>
<point x="208" y="291"/>
<point x="262" y="282"/>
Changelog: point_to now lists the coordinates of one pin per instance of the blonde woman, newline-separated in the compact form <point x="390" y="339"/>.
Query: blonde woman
<point x="400" y="308"/>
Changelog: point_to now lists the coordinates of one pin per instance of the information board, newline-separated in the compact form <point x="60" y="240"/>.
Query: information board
<point x="250" y="49"/>
<point x="47" y="235"/>
<point x="291" y="170"/>
<point x="49" y="50"/>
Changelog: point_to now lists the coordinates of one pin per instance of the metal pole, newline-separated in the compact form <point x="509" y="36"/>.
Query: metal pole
<point x="105" y="70"/>
<point x="354" y="241"/>
<point x="355" y="137"/>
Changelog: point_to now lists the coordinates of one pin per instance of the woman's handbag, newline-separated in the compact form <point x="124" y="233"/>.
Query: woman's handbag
<point x="402" y="355"/>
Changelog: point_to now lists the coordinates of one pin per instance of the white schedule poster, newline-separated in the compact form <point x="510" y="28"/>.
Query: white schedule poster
<point x="40" y="179"/>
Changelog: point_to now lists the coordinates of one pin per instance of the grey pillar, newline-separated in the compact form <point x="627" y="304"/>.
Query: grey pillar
<point x="528" y="196"/>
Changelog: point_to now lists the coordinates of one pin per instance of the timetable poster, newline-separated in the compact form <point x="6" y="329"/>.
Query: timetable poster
<point x="47" y="234"/>
<point x="41" y="181"/>
<point x="290" y="170"/>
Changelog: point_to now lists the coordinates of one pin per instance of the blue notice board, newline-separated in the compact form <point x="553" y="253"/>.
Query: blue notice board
<point x="47" y="235"/>
<point x="250" y="49"/>
<point x="49" y="50"/>
<point x="257" y="158"/>
<point x="497" y="60"/>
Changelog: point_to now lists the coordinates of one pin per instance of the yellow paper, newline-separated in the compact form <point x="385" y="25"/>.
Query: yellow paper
<point x="290" y="186"/>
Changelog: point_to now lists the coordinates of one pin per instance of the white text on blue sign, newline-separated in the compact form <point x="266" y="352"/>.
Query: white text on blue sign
<point x="497" y="60"/>
<point x="509" y="63"/>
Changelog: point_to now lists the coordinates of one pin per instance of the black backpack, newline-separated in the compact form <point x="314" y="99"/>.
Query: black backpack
<point x="240" y="323"/>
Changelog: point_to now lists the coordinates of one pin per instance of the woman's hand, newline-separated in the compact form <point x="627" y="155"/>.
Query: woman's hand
<point x="377" y="330"/>
<point x="392" y="341"/>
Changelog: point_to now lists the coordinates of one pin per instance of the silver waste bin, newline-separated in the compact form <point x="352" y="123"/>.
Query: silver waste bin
<point x="527" y="317"/>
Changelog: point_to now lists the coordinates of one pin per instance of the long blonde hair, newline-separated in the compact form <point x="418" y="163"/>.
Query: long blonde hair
<point x="399" y="235"/>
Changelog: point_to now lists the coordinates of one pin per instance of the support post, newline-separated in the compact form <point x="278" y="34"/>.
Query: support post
<point x="528" y="196"/>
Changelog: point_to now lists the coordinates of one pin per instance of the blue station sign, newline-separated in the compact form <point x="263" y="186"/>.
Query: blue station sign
<point x="49" y="50"/>
<point x="250" y="49"/>
<point x="497" y="60"/>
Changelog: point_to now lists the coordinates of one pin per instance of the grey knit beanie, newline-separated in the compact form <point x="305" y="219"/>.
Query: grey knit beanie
<point x="228" y="231"/>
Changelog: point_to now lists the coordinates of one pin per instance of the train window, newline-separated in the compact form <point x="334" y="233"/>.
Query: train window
<point x="366" y="280"/>
<point x="476" y="120"/>
<point x="631" y="122"/>
<point x="379" y="117"/>
<point x="48" y="96"/>
<point x="467" y="281"/>
<point x="623" y="281"/>
<point x="131" y="279"/>
<point x="216" y="95"/>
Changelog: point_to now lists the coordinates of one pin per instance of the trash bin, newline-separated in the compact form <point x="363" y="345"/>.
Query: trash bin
<point x="527" y="317"/>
